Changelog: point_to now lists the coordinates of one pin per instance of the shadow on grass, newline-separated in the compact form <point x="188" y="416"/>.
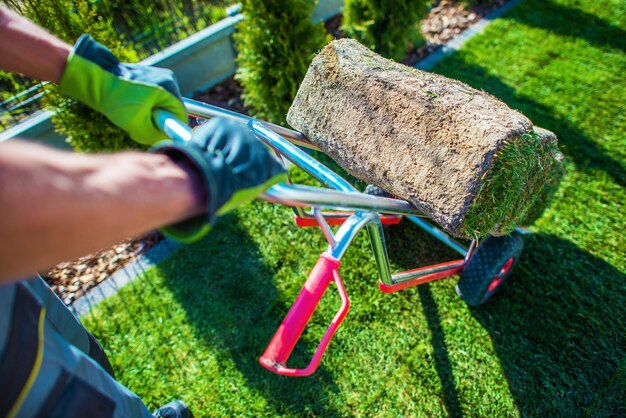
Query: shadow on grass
<point x="440" y="350"/>
<point x="575" y="23"/>
<point x="577" y="147"/>
<point x="424" y="250"/>
<point x="230" y="299"/>
<point x="558" y="329"/>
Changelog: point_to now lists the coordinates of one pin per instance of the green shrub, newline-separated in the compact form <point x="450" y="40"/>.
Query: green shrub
<point x="85" y="129"/>
<point x="10" y="85"/>
<point x="276" y="41"/>
<point x="388" y="27"/>
<point x="151" y="25"/>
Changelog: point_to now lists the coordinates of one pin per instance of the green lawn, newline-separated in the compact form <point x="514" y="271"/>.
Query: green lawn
<point x="552" y="343"/>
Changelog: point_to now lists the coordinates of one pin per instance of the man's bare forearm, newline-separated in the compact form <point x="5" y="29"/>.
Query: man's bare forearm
<point x="28" y="49"/>
<point x="56" y="205"/>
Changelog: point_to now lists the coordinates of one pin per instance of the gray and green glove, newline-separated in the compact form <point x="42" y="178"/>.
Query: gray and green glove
<point x="126" y="94"/>
<point x="232" y="165"/>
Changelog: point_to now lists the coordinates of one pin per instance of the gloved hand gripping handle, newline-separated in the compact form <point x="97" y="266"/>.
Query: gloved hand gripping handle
<point x="171" y="126"/>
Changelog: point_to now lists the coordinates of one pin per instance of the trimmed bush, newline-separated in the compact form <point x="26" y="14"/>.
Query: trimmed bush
<point x="10" y="85"/>
<point x="151" y="25"/>
<point x="388" y="27"/>
<point x="276" y="42"/>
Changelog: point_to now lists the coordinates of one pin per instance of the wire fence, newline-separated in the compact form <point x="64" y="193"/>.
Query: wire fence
<point x="19" y="100"/>
<point x="145" y="26"/>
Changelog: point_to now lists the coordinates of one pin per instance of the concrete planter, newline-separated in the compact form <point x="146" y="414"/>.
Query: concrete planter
<point x="200" y="61"/>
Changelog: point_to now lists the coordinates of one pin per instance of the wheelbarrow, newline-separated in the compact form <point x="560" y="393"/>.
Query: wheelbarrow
<point x="483" y="267"/>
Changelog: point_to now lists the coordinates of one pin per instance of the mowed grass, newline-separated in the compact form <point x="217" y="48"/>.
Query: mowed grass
<point x="552" y="343"/>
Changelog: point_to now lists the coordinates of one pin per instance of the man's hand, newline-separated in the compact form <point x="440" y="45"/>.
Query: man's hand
<point x="127" y="94"/>
<point x="232" y="167"/>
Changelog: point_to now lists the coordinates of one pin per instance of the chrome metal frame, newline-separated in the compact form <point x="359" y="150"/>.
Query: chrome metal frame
<point x="363" y="209"/>
<point x="206" y="111"/>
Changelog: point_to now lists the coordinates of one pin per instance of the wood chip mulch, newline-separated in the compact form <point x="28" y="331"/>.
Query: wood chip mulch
<point x="226" y="95"/>
<point x="72" y="279"/>
<point x="446" y="20"/>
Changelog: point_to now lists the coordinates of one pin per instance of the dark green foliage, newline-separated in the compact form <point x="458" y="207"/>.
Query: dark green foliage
<point x="55" y="16"/>
<point x="16" y="108"/>
<point x="385" y="26"/>
<point x="276" y="42"/>
<point x="153" y="25"/>
<point x="146" y="25"/>
<point x="513" y="192"/>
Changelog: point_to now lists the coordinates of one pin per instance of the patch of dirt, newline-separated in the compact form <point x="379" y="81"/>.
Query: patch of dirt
<point x="226" y="95"/>
<point x="72" y="279"/>
<point x="333" y="26"/>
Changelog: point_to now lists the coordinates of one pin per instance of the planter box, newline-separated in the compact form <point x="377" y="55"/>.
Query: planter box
<point x="200" y="61"/>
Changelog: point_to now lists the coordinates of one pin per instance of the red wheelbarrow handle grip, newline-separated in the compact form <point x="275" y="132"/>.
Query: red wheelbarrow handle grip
<point x="282" y="344"/>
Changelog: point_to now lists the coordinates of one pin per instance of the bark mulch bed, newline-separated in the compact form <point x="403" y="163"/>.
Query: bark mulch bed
<point x="72" y="279"/>
<point x="446" y="20"/>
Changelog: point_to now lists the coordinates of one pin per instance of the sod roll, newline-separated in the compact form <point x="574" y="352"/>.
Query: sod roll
<point x="460" y="155"/>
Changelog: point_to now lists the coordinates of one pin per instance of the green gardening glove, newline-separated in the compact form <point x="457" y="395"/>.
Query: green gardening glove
<point x="232" y="165"/>
<point x="125" y="93"/>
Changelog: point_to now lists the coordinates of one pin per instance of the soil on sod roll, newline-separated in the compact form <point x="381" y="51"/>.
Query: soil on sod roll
<point x="460" y="155"/>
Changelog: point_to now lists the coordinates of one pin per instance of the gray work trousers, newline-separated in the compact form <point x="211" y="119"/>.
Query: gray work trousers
<point x="50" y="365"/>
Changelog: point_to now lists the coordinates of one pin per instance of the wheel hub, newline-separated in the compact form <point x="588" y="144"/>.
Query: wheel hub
<point x="501" y="275"/>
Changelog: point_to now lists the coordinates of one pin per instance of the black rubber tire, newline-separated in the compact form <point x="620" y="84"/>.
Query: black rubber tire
<point x="376" y="191"/>
<point x="491" y="263"/>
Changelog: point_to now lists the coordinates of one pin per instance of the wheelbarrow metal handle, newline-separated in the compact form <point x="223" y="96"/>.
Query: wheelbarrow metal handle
<point x="171" y="126"/>
<point x="284" y="341"/>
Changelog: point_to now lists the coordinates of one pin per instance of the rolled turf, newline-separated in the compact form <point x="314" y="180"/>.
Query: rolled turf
<point x="460" y="155"/>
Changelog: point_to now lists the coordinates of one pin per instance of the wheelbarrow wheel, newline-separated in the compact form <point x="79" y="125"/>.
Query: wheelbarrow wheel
<point x="488" y="268"/>
<point x="376" y="191"/>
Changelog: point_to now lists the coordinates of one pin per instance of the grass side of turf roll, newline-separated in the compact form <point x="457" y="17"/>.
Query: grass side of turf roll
<point x="518" y="187"/>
